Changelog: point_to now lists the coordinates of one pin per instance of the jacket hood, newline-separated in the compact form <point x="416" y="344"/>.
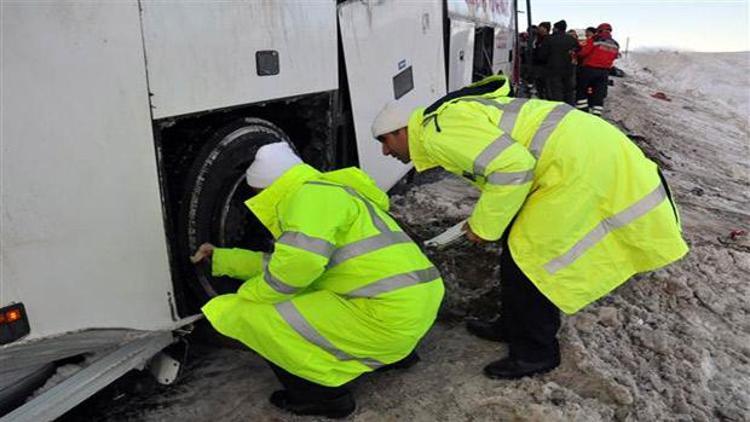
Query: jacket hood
<point x="360" y="182"/>
<point x="265" y="204"/>
<point x="417" y="152"/>
<point x="490" y="87"/>
<point x="496" y="86"/>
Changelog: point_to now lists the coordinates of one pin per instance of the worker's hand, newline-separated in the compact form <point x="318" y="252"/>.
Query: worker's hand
<point x="205" y="250"/>
<point x="473" y="238"/>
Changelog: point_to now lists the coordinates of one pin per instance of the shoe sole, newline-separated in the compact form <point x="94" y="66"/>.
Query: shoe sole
<point x="531" y="374"/>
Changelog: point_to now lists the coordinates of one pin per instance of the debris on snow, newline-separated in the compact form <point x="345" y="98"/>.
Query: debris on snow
<point x="660" y="96"/>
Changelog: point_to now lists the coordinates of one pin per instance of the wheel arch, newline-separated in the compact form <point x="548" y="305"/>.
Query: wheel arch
<point x="313" y="124"/>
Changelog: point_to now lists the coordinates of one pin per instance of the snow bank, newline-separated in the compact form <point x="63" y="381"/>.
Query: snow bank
<point x="723" y="77"/>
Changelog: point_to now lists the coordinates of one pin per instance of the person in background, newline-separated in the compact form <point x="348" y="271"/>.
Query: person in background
<point x="559" y="70"/>
<point x="574" y="54"/>
<point x="596" y="57"/>
<point x="524" y="49"/>
<point x="590" y="32"/>
<point x="543" y="30"/>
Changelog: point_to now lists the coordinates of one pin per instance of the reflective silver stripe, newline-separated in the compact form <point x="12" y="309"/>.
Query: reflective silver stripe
<point x="376" y="220"/>
<point x="297" y="321"/>
<point x="510" y="111"/>
<point x="266" y="259"/>
<point x="294" y="318"/>
<point x="510" y="115"/>
<point x="515" y="178"/>
<point x="485" y="101"/>
<point x="549" y="124"/>
<point x="649" y="202"/>
<point x="277" y="284"/>
<point x="490" y="152"/>
<point x="311" y="244"/>
<point x="607" y="43"/>
<point x="367" y="245"/>
<point x="395" y="282"/>
<point x="372" y="363"/>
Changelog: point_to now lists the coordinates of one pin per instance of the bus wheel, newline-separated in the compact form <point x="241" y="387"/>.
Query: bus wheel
<point x="213" y="207"/>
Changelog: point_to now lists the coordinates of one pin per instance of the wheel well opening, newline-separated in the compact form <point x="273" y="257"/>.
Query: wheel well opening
<point x="308" y="121"/>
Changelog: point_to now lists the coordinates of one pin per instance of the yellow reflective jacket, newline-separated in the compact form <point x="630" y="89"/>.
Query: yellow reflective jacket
<point x="345" y="290"/>
<point x="589" y="210"/>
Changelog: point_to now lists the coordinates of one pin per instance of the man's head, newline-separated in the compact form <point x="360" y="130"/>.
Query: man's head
<point x="396" y="144"/>
<point x="590" y="32"/>
<point x="604" y="28"/>
<point x="544" y="28"/>
<point x="390" y="129"/>
<point x="561" y="26"/>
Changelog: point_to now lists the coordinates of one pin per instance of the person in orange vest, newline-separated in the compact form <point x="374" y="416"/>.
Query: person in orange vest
<point x="596" y="59"/>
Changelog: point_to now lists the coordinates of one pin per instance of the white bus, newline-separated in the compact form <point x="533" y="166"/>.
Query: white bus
<point x="126" y="129"/>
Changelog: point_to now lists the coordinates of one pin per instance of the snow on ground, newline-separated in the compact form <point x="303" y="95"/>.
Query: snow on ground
<point x="669" y="345"/>
<point x="724" y="77"/>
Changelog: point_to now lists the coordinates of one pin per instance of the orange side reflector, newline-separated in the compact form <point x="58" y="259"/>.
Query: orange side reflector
<point x="13" y="315"/>
<point x="2" y="318"/>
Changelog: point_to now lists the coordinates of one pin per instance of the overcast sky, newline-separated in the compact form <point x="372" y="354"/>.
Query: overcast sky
<point x="708" y="25"/>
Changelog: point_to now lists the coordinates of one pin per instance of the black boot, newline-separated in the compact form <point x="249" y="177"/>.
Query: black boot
<point x="334" y="408"/>
<point x="410" y="360"/>
<point x="487" y="330"/>
<point x="513" y="368"/>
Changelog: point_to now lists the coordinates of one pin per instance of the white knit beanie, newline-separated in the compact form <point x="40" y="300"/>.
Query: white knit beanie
<point x="271" y="161"/>
<point x="393" y="116"/>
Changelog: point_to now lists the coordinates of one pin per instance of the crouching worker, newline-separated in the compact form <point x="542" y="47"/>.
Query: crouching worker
<point x="344" y="292"/>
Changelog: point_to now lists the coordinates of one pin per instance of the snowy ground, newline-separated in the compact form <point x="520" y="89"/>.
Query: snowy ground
<point x="669" y="345"/>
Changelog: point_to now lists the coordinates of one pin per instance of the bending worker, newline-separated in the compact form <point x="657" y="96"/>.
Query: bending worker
<point x="344" y="292"/>
<point x="584" y="208"/>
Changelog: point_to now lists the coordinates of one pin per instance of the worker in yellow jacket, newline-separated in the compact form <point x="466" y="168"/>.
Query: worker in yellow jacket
<point x="344" y="292"/>
<point x="583" y="207"/>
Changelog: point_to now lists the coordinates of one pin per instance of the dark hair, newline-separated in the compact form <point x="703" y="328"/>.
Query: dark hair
<point x="546" y="25"/>
<point x="591" y="29"/>
<point x="381" y="138"/>
<point x="561" y="25"/>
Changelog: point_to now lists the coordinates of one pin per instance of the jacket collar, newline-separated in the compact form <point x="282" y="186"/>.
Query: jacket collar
<point x="496" y="86"/>
<point x="264" y="205"/>
<point x="417" y="152"/>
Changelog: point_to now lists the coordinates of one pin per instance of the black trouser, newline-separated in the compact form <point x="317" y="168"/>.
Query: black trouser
<point x="537" y="78"/>
<point x="597" y="79"/>
<point x="562" y="88"/>
<point x="530" y="321"/>
<point x="303" y="390"/>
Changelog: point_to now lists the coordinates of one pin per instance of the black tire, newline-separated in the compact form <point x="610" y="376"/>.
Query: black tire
<point x="213" y="210"/>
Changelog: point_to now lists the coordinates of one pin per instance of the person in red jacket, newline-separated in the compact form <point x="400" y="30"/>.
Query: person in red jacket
<point x="596" y="58"/>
